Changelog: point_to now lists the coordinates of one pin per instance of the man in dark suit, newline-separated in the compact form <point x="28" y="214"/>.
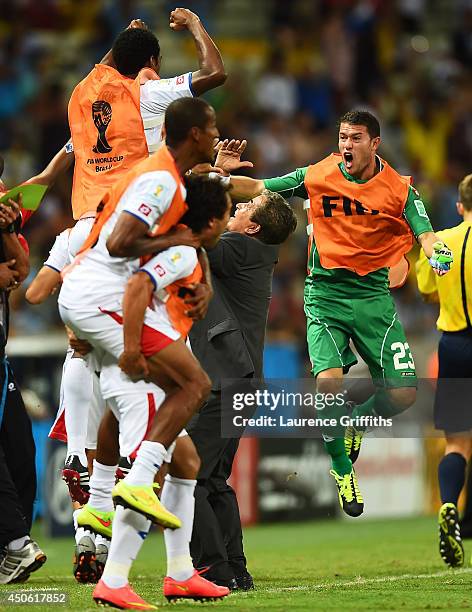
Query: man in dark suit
<point x="229" y="343"/>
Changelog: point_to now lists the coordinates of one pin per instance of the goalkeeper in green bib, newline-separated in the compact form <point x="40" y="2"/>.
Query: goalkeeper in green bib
<point x="363" y="218"/>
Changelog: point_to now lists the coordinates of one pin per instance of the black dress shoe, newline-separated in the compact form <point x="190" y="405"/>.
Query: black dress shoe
<point x="231" y="583"/>
<point x="245" y="582"/>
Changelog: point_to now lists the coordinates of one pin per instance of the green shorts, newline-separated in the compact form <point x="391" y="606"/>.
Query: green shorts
<point x="373" y="326"/>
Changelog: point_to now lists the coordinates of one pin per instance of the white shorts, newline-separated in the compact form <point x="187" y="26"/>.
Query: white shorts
<point x="104" y="330"/>
<point x="94" y="409"/>
<point x="134" y="406"/>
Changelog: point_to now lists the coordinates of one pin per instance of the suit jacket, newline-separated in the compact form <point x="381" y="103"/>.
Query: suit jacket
<point x="229" y="342"/>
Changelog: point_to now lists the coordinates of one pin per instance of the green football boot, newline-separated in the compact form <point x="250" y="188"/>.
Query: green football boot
<point x="350" y="498"/>
<point x="450" y="542"/>
<point x="352" y="442"/>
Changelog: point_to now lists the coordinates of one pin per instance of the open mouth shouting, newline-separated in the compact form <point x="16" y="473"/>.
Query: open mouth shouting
<point x="348" y="160"/>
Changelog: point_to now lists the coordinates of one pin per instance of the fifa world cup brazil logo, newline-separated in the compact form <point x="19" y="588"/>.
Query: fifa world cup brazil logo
<point x="101" y="113"/>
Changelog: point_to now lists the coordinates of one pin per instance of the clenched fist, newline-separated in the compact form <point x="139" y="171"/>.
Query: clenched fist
<point x="182" y="19"/>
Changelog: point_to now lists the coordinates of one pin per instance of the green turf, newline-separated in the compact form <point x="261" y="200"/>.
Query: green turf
<point x="332" y="565"/>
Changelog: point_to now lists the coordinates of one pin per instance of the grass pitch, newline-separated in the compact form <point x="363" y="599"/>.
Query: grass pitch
<point x="329" y="565"/>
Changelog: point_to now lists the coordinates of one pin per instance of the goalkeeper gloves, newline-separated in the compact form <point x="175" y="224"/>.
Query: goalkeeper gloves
<point x="441" y="259"/>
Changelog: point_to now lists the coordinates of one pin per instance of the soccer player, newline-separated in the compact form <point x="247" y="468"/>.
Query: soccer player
<point x="122" y="96"/>
<point x="135" y="220"/>
<point x="362" y="219"/>
<point x="80" y="393"/>
<point x="452" y="404"/>
<point x="158" y="332"/>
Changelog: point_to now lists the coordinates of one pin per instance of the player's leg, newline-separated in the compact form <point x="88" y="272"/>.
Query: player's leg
<point x="328" y="329"/>
<point x="452" y="414"/>
<point x="97" y="514"/>
<point x="451" y="474"/>
<point x="174" y="362"/>
<point x="178" y="496"/>
<point x="129" y="527"/>
<point x="76" y="397"/>
<point x="134" y="412"/>
<point x="177" y="362"/>
<point x="380" y="339"/>
<point x="91" y="548"/>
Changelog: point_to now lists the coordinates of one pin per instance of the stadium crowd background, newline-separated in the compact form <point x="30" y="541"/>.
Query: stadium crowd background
<point x="293" y="68"/>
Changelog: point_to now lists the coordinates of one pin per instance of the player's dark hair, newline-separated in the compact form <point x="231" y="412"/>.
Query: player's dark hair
<point x="276" y="218"/>
<point x="133" y="49"/>
<point x="465" y="192"/>
<point x="362" y="118"/>
<point x="2" y="165"/>
<point x="182" y="115"/>
<point x="206" y="199"/>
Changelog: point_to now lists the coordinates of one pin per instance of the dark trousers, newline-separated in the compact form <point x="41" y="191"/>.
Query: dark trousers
<point x="217" y="540"/>
<point x="17" y="462"/>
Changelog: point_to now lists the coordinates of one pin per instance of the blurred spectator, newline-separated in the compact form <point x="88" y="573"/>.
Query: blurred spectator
<point x="276" y="90"/>
<point x="462" y="39"/>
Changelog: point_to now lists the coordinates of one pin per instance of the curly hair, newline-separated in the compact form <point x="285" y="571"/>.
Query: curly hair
<point x="133" y="49"/>
<point x="207" y="198"/>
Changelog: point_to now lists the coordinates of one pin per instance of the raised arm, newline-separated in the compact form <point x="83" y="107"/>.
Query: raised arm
<point x="211" y="71"/>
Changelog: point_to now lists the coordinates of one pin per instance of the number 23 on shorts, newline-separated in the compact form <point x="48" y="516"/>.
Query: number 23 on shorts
<point x="402" y="357"/>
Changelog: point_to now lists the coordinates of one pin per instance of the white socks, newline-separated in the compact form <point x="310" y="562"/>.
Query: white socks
<point x="77" y="388"/>
<point x="178" y="498"/>
<point x="148" y="460"/>
<point x="129" y="531"/>
<point x="80" y="532"/>
<point x="102" y="541"/>
<point x="102" y="482"/>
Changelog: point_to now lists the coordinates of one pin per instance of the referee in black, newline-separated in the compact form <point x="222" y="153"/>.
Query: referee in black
<point x="452" y="408"/>
<point x="19" y="555"/>
<point x="229" y="343"/>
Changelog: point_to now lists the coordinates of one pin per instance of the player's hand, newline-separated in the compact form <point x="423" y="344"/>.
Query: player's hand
<point x="10" y="212"/>
<point x="228" y="156"/>
<point x="137" y="24"/>
<point x="183" y="236"/>
<point x="199" y="301"/>
<point x="182" y="19"/>
<point x="441" y="259"/>
<point x="8" y="276"/>
<point x="134" y="364"/>
<point x="81" y="347"/>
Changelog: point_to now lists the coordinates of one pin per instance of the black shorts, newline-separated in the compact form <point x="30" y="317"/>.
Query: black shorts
<point x="453" y="402"/>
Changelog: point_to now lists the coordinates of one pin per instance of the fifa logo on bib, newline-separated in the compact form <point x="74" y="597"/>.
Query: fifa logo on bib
<point x="101" y="113"/>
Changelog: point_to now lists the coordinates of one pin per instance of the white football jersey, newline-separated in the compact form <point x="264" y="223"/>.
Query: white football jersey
<point x="99" y="280"/>
<point x="155" y="98"/>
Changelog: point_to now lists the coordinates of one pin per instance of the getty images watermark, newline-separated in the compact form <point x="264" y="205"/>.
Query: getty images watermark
<point x="295" y="408"/>
<point x="327" y="410"/>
